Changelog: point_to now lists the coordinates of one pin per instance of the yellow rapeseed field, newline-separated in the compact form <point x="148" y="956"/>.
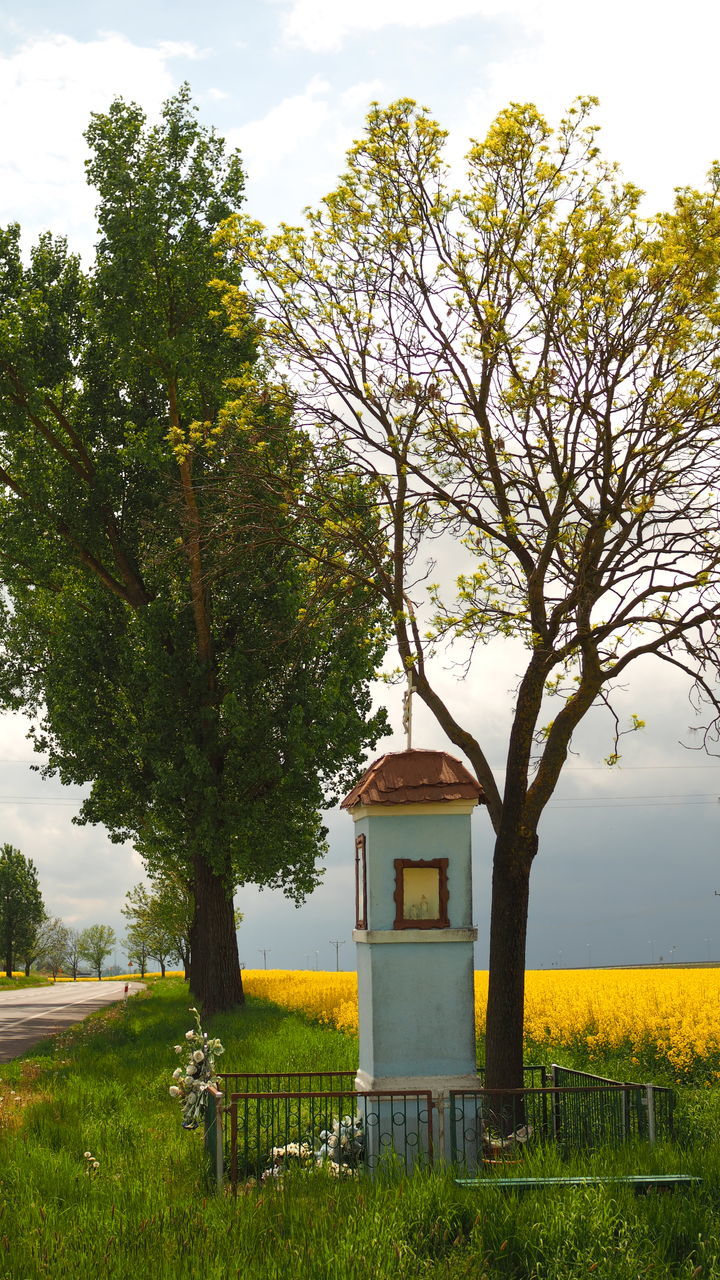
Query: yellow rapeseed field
<point x="670" y="1015"/>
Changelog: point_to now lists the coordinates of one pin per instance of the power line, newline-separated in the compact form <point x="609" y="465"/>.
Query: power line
<point x="618" y="802"/>
<point x="47" y="802"/>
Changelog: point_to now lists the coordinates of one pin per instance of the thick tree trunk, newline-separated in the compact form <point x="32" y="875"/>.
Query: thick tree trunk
<point x="506" y="993"/>
<point x="215" y="980"/>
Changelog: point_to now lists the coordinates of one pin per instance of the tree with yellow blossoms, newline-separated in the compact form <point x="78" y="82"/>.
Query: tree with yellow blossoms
<point x="530" y="367"/>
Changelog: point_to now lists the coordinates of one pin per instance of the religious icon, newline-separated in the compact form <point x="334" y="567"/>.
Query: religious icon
<point x="421" y="893"/>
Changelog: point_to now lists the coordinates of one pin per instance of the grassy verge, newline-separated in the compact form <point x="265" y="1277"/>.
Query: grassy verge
<point x="19" y="980"/>
<point x="145" y="1211"/>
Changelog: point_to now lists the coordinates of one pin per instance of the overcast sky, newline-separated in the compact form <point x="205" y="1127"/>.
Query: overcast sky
<point x="628" y="863"/>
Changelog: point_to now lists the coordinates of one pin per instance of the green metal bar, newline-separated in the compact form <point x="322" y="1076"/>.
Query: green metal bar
<point x="639" y="1180"/>
<point x="213" y="1137"/>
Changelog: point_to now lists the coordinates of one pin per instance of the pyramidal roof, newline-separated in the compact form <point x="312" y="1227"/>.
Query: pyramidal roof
<point x="415" y="777"/>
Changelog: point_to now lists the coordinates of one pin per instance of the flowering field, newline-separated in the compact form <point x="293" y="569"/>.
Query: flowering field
<point x="326" y="997"/>
<point x="653" y="1015"/>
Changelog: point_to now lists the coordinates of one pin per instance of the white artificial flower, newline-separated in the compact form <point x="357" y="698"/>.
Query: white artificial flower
<point x="198" y="1056"/>
<point x="177" y="1073"/>
<point x="189" y="1035"/>
<point x="191" y="1069"/>
<point x="174" y="1093"/>
<point x="87" y="1155"/>
<point x="178" y="1048"/>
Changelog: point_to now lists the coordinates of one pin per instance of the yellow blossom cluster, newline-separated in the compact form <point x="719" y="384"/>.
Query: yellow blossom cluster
<point x="653" y="1015"/>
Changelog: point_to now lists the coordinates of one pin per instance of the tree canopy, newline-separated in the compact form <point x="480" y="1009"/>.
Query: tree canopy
<point x="177" y="654"/>
<point x="54" y="947"/>
<point x="95" y="944"/>
<point x="21" y="905"/>
<point x="529" y="367"/>
<point x="160" y="921"/>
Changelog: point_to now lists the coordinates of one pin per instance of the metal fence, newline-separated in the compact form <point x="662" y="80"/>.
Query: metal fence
<point x="273" y="1132"/>
<point x="269" y="1125"/>
<point x="489" y="1127"/>
<point x="286" y="1081"/>
<point x="650" y="1108"/>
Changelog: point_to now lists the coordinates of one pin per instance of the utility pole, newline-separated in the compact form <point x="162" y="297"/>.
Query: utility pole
<point x="264" y="952"/>
<point x="337" y="944"/>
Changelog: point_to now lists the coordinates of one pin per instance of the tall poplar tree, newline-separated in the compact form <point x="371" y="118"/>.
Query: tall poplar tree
<point x="211" y="691"/>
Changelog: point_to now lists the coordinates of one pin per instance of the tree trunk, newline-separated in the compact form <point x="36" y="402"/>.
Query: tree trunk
<point x="506" y="992"/>
<point x="162" y="968"/>
<point x="215" y="980"/>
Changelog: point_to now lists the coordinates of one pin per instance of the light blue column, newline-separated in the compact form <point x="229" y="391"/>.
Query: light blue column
<point x="416" y="1003"/>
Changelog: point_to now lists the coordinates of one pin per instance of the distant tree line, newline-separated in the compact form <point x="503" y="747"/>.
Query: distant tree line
<point x="160" y="922"/>
<point x="33" y="939"/>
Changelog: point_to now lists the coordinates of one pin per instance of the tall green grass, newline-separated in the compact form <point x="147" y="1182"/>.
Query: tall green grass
<point x="147" y="1212"/>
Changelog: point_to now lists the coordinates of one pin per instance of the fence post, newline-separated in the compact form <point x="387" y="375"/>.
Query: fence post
<point x="214" y="1137"/>
<point x="625" y="1112"/>
<point x="555" y="1102"/>
<point x="650" y="1097"/>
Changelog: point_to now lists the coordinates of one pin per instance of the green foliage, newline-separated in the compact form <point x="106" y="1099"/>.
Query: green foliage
<point x="160" y="921"/>
<point x="53" y="944"/>
<point x="529" y="368"/>
<point x="21" y="904"/>
<point x="159" y="624"/>
<point x="528" y="364"/>
<point x="95" y="944"/>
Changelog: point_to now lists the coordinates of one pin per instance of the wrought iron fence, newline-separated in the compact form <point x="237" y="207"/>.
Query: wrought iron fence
<point x="286" y="1081"/>
<point x="274" y="1132"/>
<point x="535" y="1076"/>
<point x="265" y="1125"/>
<point x="490" y="1127"/>
<point x="651" y="1107"/>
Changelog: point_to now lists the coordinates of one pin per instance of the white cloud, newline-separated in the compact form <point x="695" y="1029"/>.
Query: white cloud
<point x="299" y="145"/>
<point x="653" y="69"/>
<point x="360" y="95"/>
<point x="266" y="143"/>
<point x="48" y="88"/>
<point x="322" y="25"/>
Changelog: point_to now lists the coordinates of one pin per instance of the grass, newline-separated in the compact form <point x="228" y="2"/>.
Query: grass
<point x="146" y="1210"/>
<point x="19" y="980"/>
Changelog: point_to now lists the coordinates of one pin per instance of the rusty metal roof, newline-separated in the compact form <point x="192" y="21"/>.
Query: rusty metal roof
<point x="414" y="777"/>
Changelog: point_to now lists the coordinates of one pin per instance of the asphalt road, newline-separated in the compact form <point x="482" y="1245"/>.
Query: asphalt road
<point x="33" y="1013"/>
